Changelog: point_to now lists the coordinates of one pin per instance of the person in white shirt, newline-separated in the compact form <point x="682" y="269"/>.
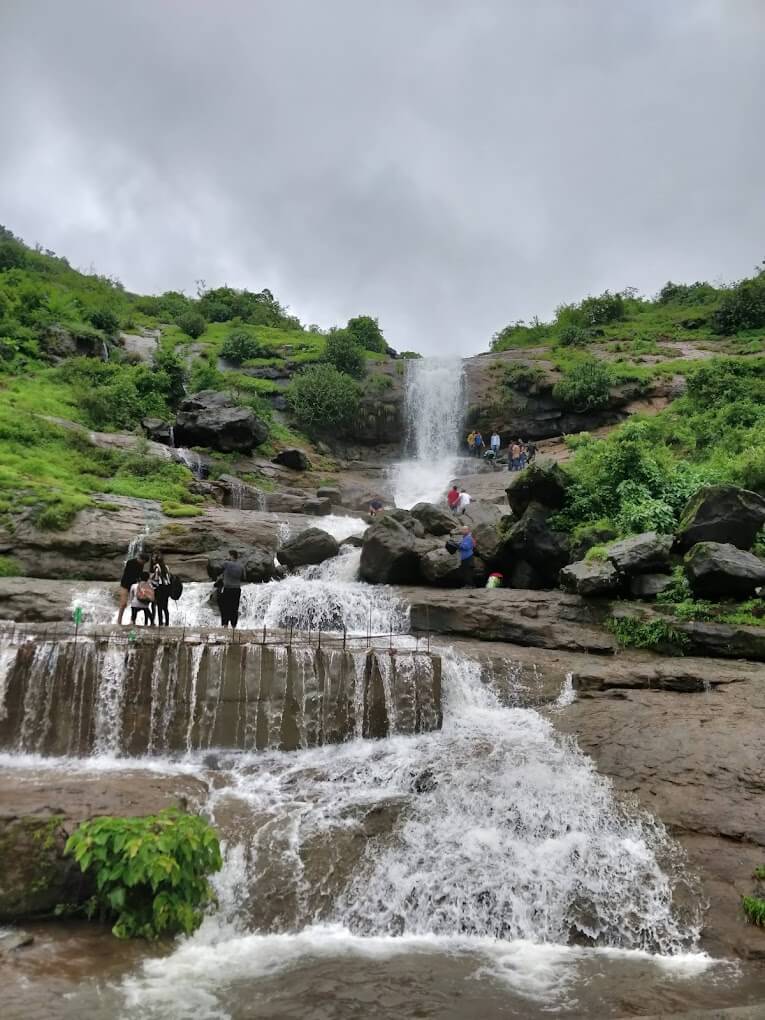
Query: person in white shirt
<point x="495" y="443"/>
<point x="463" y="503"/>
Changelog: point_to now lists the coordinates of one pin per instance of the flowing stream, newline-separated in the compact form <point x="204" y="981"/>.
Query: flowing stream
<point x="480" y="869"/>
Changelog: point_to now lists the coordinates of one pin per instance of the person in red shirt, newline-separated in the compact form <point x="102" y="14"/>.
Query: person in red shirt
<point x="453" y="497"/>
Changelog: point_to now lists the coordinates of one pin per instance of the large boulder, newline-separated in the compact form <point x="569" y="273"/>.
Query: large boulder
<point x="533" y="540"/>
<point x="293" y="458"/>
<point x="641" y="554"/>
<point x="721" y="513"/>
<point x="311" y="546"/>
<point x="331" y="493"/>
<point x="389" y="555"/>
<point x="435" y="520"/>
<point x="440" y="567"/>
<point x="648" y="586"/>
<point x="481" y="512"/>
<point x="590" y="577"/>
<point x="720" y="570"/>
<point x="405" y="518"/>
<point x="211" y="419"/>
<point x="159" y="431"/>
<point x="542" y="482"/>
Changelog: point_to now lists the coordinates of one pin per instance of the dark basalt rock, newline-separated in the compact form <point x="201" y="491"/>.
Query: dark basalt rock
<point x="542" y="482"/>
<point x="388" y="555"/>
<point x="533" y="540"/>
<point x="292" y="458"/>
<point x="717" y="570"/>
<point x="435" y="520"/>
<point x="721" y="513"/>
<point x="641" y="554"/>
<point x="648" y="586"/>
<point x="210" y="419"/>
<point x="590" y="577"/>
<point x="309" y="547"/>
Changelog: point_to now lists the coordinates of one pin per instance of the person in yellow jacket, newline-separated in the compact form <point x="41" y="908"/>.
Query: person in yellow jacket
<point x="471" y="443"/>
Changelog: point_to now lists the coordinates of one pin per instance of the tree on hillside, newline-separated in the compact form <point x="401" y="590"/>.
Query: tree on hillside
<point x="192" y="324"/>
<point x="323" y="399"/>
<point x="367" y="333"/>
<point x="344" y="353"/>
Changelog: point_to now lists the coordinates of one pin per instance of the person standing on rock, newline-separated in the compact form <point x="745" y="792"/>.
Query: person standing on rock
<point x="453" y="498"/>
<point x="463" y="502"/>
<point x="467" y="553"/>
<point x="131" y="573"/>
<point x="142" y="600"/>
<point x="232" y="577"/>
<point x="479" y="444"/>
<point x="471" y="443"/>
<point x="495" y="442"/>
<point x="160" y="578"/>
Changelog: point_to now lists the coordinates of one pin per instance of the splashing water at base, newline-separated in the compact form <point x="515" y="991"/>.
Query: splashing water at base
<point x="434" y="412"/>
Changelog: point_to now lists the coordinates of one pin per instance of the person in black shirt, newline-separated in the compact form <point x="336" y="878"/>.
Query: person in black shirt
<point x="131" y="573"/>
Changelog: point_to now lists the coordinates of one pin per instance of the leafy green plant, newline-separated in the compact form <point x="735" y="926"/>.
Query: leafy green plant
<point x="597" y="552"/>
<point x="192" y="323"/>
<point x="150" y="873"/>
<point x="240" y="345"/>
<point x="742" y="307"/>
<point x="632" y="632"/>
<point x="105" y="319"/>
<point x="205" y="376"/>
<point x="572" y="336"/>
<point x="344" y="352"/>
<point x="9" y="567"/>
<point x="754" y="908"/>
<point x="323" y="399"/>
<point x="523" y="377"/>
<point x="366" y="333"/>
<point x="585" y="386"/>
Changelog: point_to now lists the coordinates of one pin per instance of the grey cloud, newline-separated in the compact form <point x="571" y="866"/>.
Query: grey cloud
<point x="446" y="166"/>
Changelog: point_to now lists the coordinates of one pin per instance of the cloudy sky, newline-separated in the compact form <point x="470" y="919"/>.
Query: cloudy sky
<point x="446" y="165"/>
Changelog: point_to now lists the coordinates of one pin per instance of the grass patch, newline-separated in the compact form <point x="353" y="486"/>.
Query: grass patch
<point x="9" y="567"/>
<point x="631" y="632"/>
<point x="754" y="908"/>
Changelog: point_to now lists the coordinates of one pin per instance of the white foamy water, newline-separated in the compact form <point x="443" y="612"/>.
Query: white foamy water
<point x="434" y="412"/>
<point x="501" y="843"/>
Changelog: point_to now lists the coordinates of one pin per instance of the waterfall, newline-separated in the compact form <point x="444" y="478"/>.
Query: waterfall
<point x="434" y="413"/>
<point x="192" y="460"/>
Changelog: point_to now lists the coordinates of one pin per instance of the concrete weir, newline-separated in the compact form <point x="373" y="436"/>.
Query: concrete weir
<point x="141" y="691"/>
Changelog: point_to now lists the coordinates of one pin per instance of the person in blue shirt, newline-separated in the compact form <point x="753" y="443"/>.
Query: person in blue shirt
<point x="478" y="444"/>
<point x="466" y="551"/>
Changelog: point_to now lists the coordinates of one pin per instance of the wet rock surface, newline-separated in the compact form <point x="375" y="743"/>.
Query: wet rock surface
<point x="542" y="482"/>
<point x="309" y="547"/>
<point x="640" y="554"/>
<point x="590" y="577"/>
<point x="721" y="513"/>
<point x="211" y="419"/>
<point x="718" y="570"/>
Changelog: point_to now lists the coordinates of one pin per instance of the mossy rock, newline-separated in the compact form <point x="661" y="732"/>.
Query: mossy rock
<point x="35" y="877"/>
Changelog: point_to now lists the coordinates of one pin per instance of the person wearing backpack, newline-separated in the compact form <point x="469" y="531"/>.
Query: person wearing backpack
<point x="160" y="578"/>
<point x="130" y="574"/>
<point x="142" y="600"/>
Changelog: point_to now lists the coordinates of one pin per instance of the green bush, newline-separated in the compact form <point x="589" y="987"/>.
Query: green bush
<point x="523" y="377"/>
<point x="9" y="567"/>
<point x="103" y="318"/>
<point x="599" y="311"/>
<point x="240" y="345"/>
<point x="686" y="294"/>
<point x="655" y="634"/>
<point x="323" y="399"/>
<point x="366" y="332"/>
<point x="191" y="323"/>
<point x="150" y="873"/>
<point x="742" y="307"/>
<point x="204" y="376"/>
<point x="409" y="355"/>
<point x="572" y="336"/>
<point x="585" y="386"/>
<point x="344" y="353"/>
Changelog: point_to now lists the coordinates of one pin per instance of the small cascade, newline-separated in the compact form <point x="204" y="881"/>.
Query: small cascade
<point x="237" y="490"/>
<point x="434" y="411"/>
<point x="117" y="695"/>
<point x="172" y="436"/>
<point x="105" y="350"/>
<point x="192" y="460"/>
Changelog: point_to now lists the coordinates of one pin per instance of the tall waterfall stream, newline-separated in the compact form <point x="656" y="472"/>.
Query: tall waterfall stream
<point x="483" y="869"/>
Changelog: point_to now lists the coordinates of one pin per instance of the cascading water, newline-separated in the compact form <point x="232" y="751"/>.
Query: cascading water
<point x="434" y="412"/>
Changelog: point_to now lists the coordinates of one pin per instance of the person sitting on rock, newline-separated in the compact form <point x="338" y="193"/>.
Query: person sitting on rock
<point x="142" y="600"/>
<point x="467" y="552"/>
<point x="231" y="579"/>
<point x="131" y="573"/>
<point x="375" y="506"/>
<point x="453" y="498"/>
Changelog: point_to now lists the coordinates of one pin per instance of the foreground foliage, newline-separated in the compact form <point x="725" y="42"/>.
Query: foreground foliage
<point x="324" y="399"/>
<point x="151" y="873"/>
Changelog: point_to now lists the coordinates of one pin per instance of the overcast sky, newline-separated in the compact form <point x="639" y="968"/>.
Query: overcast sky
<point x="445" y="166"/>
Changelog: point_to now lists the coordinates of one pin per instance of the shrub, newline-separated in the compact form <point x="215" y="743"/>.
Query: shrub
<point x="240" y="345"/>
<point x="572" y="336"/>
<point x="192" y="324"/>
<point x="742" y="307"/>
<point x="523" y="377"/>
<point x="686" y="294"/>
<point x="174" y="371"/>
<point x="150" y="873"/>
<point x="410" y="355"/>
<point x="204" y="376"/>
<point x="598" y="311"/>
<point x="634" y="633"/>
<point x="323" y="399"/>
<point x="754" y="908"/>
<point x="585" y="386"/>
<point x="344" y="353"/>
<point x="367" y="333"/>
<point x="103" y="318"/>
<point x="9" y="567"/>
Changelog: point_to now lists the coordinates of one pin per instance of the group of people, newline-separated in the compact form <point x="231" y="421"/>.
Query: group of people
<point x="457" y="500"/>
<point x="477" y="446"/>
<point x="148" y="590"/>
<point x="520" y="455"/>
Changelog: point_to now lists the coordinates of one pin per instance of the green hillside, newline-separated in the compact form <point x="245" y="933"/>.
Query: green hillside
<point x="61" y="358"/>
